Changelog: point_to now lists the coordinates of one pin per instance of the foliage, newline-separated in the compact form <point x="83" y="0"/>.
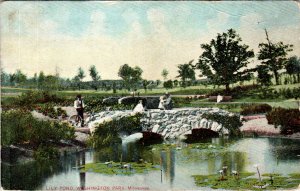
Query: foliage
<point x="244" y="181"/>
<point x="19" y="127"/>
<point x="229" y="121"/>
<point x="31" y="99"/>
<point x="19" y="77"/>
<point x="224" y="60"/>
<point x="186" y="72"/>
<point x="168" y="84"/>
<point x="48" y="109"/>
<point x="131" y="76"/>
<point x="106" y="133"/>
<point x="254" y="109"/>
<point x="45" y="153"/>
<point x="164" y="73"/>
<point x="281" y="93"/>
<point x="117" y="168"/>
<point x="263" y="77"/>
<point x="273" y="55"/>
<point x="292" y="67"/>
<point x="285" y="118"/>
<point x="94" y="75"/>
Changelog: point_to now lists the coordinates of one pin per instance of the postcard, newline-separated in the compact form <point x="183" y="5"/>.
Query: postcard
<point x="150" y="95"/>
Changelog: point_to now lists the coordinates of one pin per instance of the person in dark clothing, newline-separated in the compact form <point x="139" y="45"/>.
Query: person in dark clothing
<point x="79" y="106"/>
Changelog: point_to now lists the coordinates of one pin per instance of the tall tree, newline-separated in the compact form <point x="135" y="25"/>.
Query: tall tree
<point x="164" y="73"/>
<point x="131" y="76"/>
<point x="20" y="77"/>
<point x="94" y="75"/>
<point x="4" y="78"/>
<point x="273" y="55"/>
<point x="224" y="59"/>
<point x="263" y="76"/>
<point x="41" y="80"/>
<point x="292" y="67"/>
<point x="186" y="71"/>
<point x="80" y="76"/>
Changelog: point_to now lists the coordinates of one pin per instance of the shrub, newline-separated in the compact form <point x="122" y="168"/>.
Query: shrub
<point x="13" y="124"/>
<point x="19" y="126"/>
<point x="30" y="99"/>
<point x="107" y="133"/>
<point x="49" y="110"/>
<point x="254" y="109"/>
<point x="45" y="153"/>
<point x="287" y="119"/>
<point x="231" y="122"/>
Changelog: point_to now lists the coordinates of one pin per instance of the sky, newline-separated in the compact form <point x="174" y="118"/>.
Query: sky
<point x="62" y="36"/>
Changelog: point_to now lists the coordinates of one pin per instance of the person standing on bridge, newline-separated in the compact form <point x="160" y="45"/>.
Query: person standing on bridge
<point x="79" y="106"/>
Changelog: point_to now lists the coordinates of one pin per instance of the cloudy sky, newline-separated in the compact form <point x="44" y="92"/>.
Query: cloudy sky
<point x="63" y="36"/>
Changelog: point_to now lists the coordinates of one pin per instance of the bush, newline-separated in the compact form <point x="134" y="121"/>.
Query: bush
<point x="236" y="92"/>
<point x="49" y="110"/>
<point x="255" y="109"/>
<point x="30" y="99"/>
<point x="231" y="122"/>
<point x="286" y="119"/>
<point x="106" y="133"/>
<point x="45" y="153"/>
<point x="18" y="127"/>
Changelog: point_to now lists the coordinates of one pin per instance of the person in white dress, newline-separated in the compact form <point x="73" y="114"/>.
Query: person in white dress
<point x="219" y="98"/>
<point x="161" y="103"/>
<point x="139" y="107"/>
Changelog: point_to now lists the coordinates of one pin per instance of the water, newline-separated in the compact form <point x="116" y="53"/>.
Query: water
<point x="273" y="155"/>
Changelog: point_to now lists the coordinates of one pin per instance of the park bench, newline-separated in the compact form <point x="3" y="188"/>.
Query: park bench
<point x="225" y="98"/>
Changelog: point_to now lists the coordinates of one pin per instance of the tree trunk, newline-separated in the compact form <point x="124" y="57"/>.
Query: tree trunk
<point x="276" y="77"/>
<point x="227" y="87"/>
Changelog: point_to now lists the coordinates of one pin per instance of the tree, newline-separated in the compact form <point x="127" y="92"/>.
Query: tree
<point x="164" y="74"/>
<point x="51" y="82"/>
<point x="168" y="84"/>
<point x="158" y="82"/>
<point x="80" y="76"/>
<point x="131" y="76"/>
<point x="175" y="82"/>
<point x="224" y="59"/>
<point x="145" y="84"/>
<point x="186" y="71"/>
<point x="263" y="77"/>
<point x="94" y="75"/>
<point x="41" y="80"/>
<point x="4" y="77"/>
<point x="292" y="67"/>
<point x="20" y="77"/>
<point x="273" y="55"/>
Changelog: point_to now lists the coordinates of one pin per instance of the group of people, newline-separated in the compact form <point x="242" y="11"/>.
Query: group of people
<point x="165" y="103"/>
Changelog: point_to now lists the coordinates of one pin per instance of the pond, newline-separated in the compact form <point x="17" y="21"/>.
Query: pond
<point x="176" y="165"/>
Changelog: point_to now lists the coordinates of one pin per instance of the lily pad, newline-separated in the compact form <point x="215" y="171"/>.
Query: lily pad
<point x="118" y="168"/>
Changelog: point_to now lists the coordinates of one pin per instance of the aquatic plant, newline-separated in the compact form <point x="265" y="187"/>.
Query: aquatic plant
<point x="119" y="168"/>
<point x="246" y="182"/>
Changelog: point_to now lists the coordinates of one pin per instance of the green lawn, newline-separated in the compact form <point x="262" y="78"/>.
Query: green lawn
<point x="234" y="105"/>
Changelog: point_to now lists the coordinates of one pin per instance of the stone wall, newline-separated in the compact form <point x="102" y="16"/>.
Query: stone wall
<point x="169" y="123"/>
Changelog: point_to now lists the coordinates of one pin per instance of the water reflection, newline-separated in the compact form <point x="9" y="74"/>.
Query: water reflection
<point x="168" y="164"/>
<point x="274" y="155"/>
